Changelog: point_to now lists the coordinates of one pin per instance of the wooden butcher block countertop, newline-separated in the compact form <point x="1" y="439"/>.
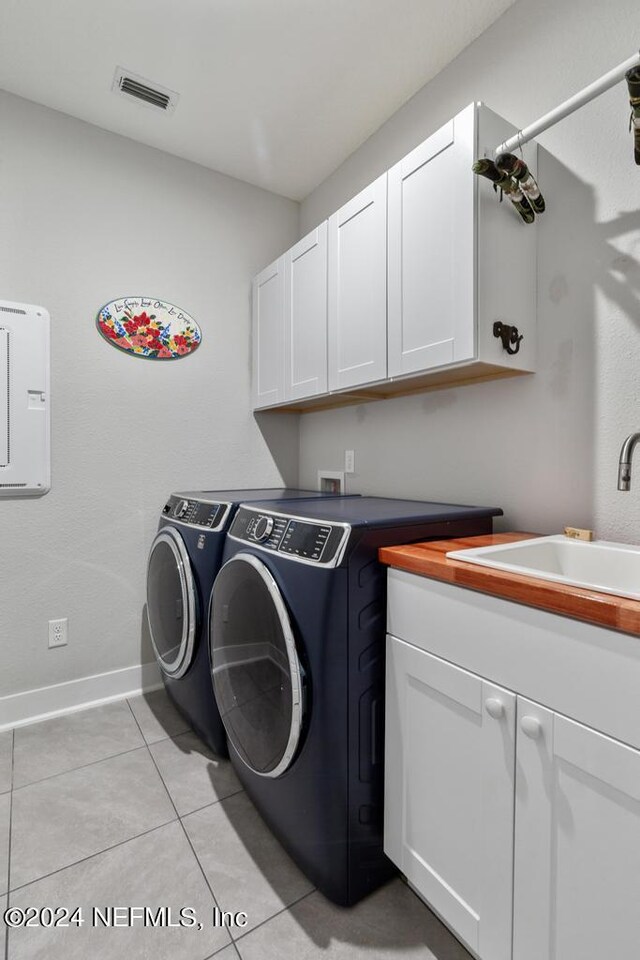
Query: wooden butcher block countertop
<point x="429" y="559"/>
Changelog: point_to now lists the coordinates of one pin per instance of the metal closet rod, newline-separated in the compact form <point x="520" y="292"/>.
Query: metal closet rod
<point x="569" y="106"/>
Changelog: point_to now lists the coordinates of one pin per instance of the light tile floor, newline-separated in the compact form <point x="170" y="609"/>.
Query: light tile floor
<point x="123" y="806"/>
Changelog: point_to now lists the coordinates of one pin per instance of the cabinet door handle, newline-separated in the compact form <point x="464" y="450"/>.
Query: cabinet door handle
<point x="494" y="707"/>
<point x="531" y="727"/>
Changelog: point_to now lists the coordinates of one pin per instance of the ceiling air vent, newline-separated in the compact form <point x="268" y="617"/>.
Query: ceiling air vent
<point x="128" y="84"/>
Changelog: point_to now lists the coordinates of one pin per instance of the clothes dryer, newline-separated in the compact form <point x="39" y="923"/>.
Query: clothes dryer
<point x="184" y="559"/>
<point x="297" y="635"/>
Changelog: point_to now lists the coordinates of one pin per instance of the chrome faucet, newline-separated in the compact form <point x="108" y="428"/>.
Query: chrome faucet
<point x="624" y="467"/>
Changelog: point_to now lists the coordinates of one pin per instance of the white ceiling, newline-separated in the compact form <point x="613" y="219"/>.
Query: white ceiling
<point x="276" y="93"/>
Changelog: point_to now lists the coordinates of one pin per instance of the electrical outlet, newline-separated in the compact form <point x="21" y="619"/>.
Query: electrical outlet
<point x="58" y="633"/>
<point x="349" y="461"/>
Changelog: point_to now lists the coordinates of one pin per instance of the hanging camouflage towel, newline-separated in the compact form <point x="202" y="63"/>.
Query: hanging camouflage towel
<point x="633" y="82"/>
<point x="506" y="184"/>
<point x="517" y="168"/>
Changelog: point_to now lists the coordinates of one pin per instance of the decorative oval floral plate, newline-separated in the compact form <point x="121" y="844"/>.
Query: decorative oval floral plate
<point x="148" y="328"/>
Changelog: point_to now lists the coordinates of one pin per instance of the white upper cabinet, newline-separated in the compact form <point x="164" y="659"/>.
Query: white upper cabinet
<point x="459" y="261"/>
<point x="305" y="313"/>
<point x="420" y="267"/>
<point x="358" y="289"/>
<point x="268" y="335"/>
<point x="431" y="251"/>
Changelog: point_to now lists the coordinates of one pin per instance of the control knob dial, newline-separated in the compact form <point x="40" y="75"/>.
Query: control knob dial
<point x="262" y="529"/>
<point x="181" y="508"/>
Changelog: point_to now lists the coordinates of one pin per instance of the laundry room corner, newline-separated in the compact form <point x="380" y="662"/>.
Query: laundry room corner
<point x="319" y="480"/>
<point x="89" y="216"/>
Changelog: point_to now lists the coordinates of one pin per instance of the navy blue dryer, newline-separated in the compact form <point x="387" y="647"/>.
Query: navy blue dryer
<point x="185" y="557"/>
<point x="297" y="633"/>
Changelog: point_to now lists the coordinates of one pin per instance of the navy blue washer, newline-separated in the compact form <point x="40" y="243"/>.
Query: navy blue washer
<point x="320" y="786"/>
<point x="184" y="560"/>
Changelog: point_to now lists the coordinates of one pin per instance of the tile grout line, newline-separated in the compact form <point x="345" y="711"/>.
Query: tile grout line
<point x="83" y="766"/>
<point x="212" y="804"/>
<point x="92" y="763"/>
<point x="75" y="863"/>
<point x="6" y="928"/>
<point x="233" y="940"/>
<point x="150" y="743"/>
<point x="218" y="952"/>
<point x="187" y="837"/>
<point x="91" y="856"/>
<point x="269" y="919"/>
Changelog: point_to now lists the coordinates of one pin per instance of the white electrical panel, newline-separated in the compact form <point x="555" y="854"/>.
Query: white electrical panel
<point x="25" y="459"/>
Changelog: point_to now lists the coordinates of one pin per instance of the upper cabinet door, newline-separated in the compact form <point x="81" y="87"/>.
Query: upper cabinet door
<point x="432" y="251"/>
<point x="358" y="289"/>
<point x="577" y="848"/>
<point x="305" y="311"/>
<point x="449" y="771"/>
<point x="268" y="335"/>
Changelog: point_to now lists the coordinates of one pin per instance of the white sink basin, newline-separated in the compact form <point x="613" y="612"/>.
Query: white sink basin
<point x="599" y="565"/>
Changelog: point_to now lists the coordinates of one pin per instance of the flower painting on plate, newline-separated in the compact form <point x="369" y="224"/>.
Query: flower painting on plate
<point x="148" y="328"/>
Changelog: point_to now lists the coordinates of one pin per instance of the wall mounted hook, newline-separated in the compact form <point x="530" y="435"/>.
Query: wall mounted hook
<point x="509" y="335"/>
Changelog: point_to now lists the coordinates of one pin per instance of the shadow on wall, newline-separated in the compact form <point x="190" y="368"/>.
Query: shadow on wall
<point x="618" y="274"/>
<point x="525" y="443"/>
<point x="577" y="251"/>
<point x="580" y="241"/>
<point x="281" y="433"/>
<point x="566" y="339"/>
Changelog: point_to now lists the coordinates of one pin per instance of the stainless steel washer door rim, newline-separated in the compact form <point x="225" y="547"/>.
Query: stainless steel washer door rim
<point x="178" y="666"/>
<point x="295" y="670"/>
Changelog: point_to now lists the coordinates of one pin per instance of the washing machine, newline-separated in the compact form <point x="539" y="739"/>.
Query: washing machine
<point x="297" y="635"/>
<point x="184" y="559"/>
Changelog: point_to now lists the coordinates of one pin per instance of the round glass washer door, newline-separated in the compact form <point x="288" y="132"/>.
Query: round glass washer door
<point x="257" y="675"/>
<point x="171" y="603"/>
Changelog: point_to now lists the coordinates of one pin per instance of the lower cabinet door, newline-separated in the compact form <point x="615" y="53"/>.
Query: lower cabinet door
<point x="577" y="846"/>
<point x="449" y="787"/>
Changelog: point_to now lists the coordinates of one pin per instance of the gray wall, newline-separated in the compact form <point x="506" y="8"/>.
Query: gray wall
<point x="544" y="447"/>
<point x="88" y="216"/>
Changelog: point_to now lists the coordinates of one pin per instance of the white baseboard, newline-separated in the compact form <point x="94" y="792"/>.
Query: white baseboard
<point x="30" y="706"/>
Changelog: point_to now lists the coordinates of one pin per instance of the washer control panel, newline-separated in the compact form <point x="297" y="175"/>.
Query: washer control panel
<point x="300" y="539"/>
<point x="304" y="539"/>
<point x="264" y="528"/>
<point x="203" y="514"/>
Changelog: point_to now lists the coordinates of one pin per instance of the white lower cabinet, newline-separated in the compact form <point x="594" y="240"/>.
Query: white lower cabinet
<point x="450" y="742"/>
<point x="518" y="826"/>
<point x="577" y="841"/>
